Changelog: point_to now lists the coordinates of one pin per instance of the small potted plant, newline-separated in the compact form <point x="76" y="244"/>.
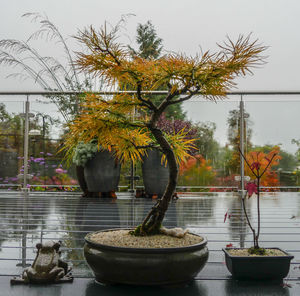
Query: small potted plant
<point x="256" y="262"/>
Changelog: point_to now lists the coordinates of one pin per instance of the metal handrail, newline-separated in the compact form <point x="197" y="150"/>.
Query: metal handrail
<point x="160" y="92"/>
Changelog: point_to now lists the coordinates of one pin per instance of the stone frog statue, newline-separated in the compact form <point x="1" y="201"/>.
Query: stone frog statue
<point x="47" y="266"/>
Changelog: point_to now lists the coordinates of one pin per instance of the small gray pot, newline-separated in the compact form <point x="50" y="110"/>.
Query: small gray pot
<point x="258" y="267"/>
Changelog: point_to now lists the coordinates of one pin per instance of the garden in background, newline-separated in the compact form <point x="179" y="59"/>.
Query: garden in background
<point x="212" y="165"/>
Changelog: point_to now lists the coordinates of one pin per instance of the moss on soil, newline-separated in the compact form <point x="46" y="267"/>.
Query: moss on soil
<point x="245" y="252"/>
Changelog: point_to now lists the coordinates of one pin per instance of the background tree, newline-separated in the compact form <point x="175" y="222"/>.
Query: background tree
<point x="150" y="47"/>
<point x="109" y="121"/>
<point x="234" y="133"/>
<point x="10" y="143"/>
<point x="297" y="142"/>
<point x="285" y="167"/>
<point x="196" y="171"/>
<point x="207" y="145"/>
<point x="287" y="161"/>
<point x="10" y="129"/>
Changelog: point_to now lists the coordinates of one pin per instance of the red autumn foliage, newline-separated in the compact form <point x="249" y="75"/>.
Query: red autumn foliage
<point x="251" y="187"/>
<point x="258" y="161"/>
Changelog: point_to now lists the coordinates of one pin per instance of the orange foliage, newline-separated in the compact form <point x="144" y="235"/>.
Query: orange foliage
<point x="196" y="171"/>
<point x="196" y="160"/>
<point x="270" y="177"/>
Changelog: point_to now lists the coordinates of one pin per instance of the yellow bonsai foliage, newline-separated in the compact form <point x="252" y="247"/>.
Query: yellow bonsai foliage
<point x="113" y="124"/>
<point x="181" y="145"/>
<point x="210" y="73"/>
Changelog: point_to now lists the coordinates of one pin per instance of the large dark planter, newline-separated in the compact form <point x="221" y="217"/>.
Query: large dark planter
<point x="155" y="175"/>
<point x="141" y="266"/>
<point x="81" y="179"/>
<point x="258" y="268"/>
<point x="102" y="173"/>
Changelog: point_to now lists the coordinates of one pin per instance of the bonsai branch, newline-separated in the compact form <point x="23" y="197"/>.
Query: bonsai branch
<point x="184" y="98"/>
<point x="147" y="103"/>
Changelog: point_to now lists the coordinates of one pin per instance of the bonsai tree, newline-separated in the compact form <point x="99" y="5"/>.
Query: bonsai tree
<point x="127" y="122"/>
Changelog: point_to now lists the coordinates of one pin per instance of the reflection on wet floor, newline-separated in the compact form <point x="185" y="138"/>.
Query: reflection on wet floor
<point x="27" y="220"/>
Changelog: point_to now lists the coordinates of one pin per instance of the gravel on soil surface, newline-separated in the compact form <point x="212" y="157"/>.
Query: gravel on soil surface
<point x="122" y="238"/>
<point x="244" y="252"/>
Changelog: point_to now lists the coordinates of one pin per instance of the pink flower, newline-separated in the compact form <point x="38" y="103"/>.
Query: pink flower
<point x="251" y="188"/>
<point x="59" y="171"/>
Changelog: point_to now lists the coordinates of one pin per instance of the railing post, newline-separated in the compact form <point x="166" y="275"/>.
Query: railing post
<point x="242" y="147"/>
<point x="132" y="177"/>
<point x="242" y="170"/>
<point x="26" y="138"/>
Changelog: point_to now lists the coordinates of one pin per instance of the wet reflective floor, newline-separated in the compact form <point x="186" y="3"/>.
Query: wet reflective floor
<point x="28" y="219"/>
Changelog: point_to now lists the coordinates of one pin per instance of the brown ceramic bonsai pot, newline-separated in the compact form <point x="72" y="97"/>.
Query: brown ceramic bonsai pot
<point x="144" y="266"/>
<point x="258" y="267"/>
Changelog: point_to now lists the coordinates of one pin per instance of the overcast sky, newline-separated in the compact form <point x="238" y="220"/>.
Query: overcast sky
<point x="185" y="26"/>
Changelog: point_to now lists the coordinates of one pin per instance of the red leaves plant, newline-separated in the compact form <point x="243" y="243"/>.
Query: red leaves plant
<point x="226" y="216"/>
<point x="255" y="165"/>
<point x="251" y="188"/>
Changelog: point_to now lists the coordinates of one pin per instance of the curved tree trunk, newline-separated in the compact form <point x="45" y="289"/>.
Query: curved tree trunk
<point x="153" y="220"/>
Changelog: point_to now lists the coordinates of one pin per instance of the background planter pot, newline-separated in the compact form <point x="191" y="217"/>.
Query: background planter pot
<point x="81" y="179"/>
<point x="102" y="173"/>
<point x="155" y="175"/>
<point x="260" y="267"/>
<point x="140" y="266"/>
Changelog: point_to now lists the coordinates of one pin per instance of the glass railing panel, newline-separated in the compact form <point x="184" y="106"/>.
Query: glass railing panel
<point x="269" y="121"/>
<point x="49" y="169"/>
<point x="211" y="167"/>
<point x="11" y="141"/>
<point x="273" y="122"/>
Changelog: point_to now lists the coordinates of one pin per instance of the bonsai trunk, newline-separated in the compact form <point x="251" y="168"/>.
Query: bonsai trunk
<point x="153" y="220"/>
